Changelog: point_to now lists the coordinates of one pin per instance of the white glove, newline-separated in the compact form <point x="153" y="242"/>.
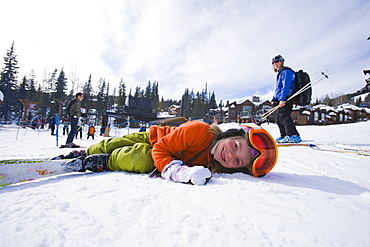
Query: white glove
<point x="177" y="172"/>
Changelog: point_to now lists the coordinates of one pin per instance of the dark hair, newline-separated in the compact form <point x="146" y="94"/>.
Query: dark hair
<point x="79" y="94"/>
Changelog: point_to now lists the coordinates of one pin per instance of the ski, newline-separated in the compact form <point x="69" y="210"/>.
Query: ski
<point x="354" y="149"/>
<point x="18" y="161"/>
<point x="22" y="170"/>
<point x="293" y="144"/>
<point x="313" y="146"/>
<point x="317" y="147"/>
<point x="68" y="146"/>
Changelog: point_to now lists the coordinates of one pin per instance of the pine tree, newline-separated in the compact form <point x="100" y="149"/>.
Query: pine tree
<point x="51" y="83"/>
<point x="88" y="94"/>
<point x="113" y="99"/>
<point x="212" y="101"/>
<point x="148" y="90"/>
<point x="8" y="83"/>
<point x="155" y="96"/>
<point x="161" y="104"/>
<point x="186" y="104"/>
<point x="43" y="99"/>
<point x="32" y="86"/>
<point x="61" y="86"/>
<point x="23" y="89"/>
<point x="101" y="103"/>
<point x="121" y="99"/>
<point x="138" y="92"/>
<point x="198" y="108"/>
<point x="49" y="88"/>
<point x="109" y="99"/>
<point x="204" y="102"/>
<point x="23" y="94"/>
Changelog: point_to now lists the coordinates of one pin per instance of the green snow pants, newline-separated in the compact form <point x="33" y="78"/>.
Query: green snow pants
<point x="131" y="153"/>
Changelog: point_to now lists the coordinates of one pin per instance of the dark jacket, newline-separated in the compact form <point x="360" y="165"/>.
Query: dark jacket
<point x="74" y="109"/>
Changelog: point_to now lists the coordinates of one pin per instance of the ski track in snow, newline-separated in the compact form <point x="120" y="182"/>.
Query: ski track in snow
<point x="311" y="198"/>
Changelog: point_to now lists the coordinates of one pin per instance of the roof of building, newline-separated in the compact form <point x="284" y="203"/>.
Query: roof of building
<point x="262" y="99"/>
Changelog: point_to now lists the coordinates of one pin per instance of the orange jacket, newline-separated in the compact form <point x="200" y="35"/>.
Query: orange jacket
<point x="182" y="143"/>
<point x="91" y="130"/>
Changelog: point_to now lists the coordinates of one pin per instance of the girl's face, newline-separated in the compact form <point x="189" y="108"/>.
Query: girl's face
<point x="232" y="153"/>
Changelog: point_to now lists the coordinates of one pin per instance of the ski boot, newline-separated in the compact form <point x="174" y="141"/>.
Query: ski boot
<point x="70" y="145"/>
<point x="279" y="139"/>
<point x="71" y="155"/>
<point x="96" y="162"/>
<point x="75" y="154"/>
<point x="291" y="139"/>
<point x="74" y="165"/>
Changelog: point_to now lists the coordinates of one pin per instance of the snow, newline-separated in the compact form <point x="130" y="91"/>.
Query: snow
<point x="361" y="97"/>
<point x="325" y="107"/>
<point x="164" y="115"/>
<point x="261" y="99"/>
<point x="349" y="106"/>
<point x="310" y="198"/>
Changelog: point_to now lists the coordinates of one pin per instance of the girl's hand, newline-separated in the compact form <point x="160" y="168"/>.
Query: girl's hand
<point x="177" y="172"/>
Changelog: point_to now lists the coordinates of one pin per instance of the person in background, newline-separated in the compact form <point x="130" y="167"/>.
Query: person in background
<point x="284" y="89"/>
<point x="79" y="128"/>
<point x="91" y="131"/>
<point x="65" y="123"/>
<point x="189" y="153"/>
<point x="106" y="131"/>
<point x="34" y="123"/>
<point x="74" y="113"/>
<point x="52" y="125"/>
<point x="102" y="130"/>
<point x="42" y="122"/>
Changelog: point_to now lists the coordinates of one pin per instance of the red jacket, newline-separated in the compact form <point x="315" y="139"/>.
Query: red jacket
<point x="181" y="143"/>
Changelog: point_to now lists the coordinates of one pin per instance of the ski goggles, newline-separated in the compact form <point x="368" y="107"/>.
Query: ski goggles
<point x="260" y="140"/>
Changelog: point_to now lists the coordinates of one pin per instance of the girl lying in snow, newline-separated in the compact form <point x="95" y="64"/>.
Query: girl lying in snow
<point x="187" y="154"/>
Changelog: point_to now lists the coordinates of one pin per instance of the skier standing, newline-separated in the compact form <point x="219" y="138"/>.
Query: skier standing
<point x="284" y="88"/>
<point x="74" y="113"/>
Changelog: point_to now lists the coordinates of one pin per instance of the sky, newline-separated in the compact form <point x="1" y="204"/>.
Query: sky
<point x="226" y="45"/>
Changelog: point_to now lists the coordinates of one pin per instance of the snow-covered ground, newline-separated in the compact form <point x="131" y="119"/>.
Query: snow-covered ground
<point x="310" y="198"/>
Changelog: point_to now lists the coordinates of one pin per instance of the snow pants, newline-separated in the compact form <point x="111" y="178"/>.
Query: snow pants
<point x="285" y="121"/>
<point x="131" y="153"/>
<point x="73" y="122"/>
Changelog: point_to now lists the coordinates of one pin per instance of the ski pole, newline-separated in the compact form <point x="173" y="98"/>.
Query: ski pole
<point x="57" y="129"/>
<point x="313" y="82"/>
<point x="306" y="87"/>
<point x="268" y="112"/>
